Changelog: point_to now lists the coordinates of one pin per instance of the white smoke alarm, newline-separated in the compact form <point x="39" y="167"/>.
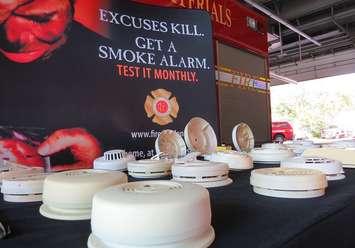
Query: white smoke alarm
<point x="12" y="166"/>
<point x="204" y="173"/>
<point x="68" y="195"/>
<point x="25" y="188"/>
<point x="11" y="169"/>
<point x="270" y="155"/>
<point x="113" y="160"/>
<point x="331" y="168"/>
<point x="344" y="155"/>
<point x="243" y="137"/>
<point x="243" y="140"/>
<point x="235" y="160"/>
<point x="152" y="214"/>
<point x="170" y="143"/>
<point x="288" y="182"/>
<point x="150" y="168"/>
<point x="299" y="146"/>
<point x="200" y="136"/>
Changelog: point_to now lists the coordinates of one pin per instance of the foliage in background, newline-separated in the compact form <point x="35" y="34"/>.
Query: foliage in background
<point x="313" y="111"/>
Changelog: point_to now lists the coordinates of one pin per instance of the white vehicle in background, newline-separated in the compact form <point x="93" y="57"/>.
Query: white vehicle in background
<point x="342" y="126"/>
<point x="335" y="132"/>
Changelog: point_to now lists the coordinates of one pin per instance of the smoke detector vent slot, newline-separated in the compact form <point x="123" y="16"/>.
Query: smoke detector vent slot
<point x="115" y="160"/>
<point x="204" y="173"/>
<point x="331" y="168"/>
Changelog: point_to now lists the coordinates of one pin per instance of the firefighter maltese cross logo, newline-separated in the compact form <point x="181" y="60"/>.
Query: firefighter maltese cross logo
<point x="161" y="106"/>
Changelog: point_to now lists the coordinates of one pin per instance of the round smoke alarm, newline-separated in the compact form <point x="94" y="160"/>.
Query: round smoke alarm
<point x="270" y="155"/>
<point x="113" y="160"/>
<point x="200" y="136"/>
<point x="332" y="168"/>
<point x="288" y="182"/>
<point x="11" y="169"/>
<point x="152" y="214"/>
<point x="150" y="168"/>
<point x="243" y="138"/>
<point x="204" y="173"/>
<point x="170" y="143"/>
<point x="12" y="166"/>
<point x="68" y="195"/>
<point x="25" y="188"/>
<point x="235" y="160"/>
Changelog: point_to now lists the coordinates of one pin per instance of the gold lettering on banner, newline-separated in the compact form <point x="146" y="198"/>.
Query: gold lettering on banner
<point x="219" y="13"/>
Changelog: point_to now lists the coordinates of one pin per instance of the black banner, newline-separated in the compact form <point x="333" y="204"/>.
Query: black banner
<point x="153" y="71"/>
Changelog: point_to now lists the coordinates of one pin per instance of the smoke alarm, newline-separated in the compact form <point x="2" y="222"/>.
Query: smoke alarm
<point x="235" y="160"/>
<point x="113" y="160"/>
<point x="204" y="173"/>
<point x="200" y="136"/>
<point x="345" y="156"/>
<point x="11" y="169"/>
<point x="150" y="168"/>
<point x="299" y="146"/>
<point x="171" y="144"/>
<point x="331" y="168"/>
<point x="68" y="195"/>
<point x="12" y="166"/>
<point x="288" y="182"/>
<point x="270" y="155"/>
<point x="25" y="188"/>
<point x="243" y="138"/>
<point x="152" y="214"/>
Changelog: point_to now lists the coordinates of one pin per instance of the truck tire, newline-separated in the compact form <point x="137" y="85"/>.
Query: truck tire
<point x="279" y="138"/>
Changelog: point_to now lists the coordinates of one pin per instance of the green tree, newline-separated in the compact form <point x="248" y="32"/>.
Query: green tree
<point x="313" y="111"/>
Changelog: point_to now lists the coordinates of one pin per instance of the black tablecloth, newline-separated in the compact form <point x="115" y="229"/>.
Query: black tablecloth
<point x="240" y="219"/>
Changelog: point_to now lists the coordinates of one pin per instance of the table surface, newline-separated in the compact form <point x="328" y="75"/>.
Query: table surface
<point x="240" y="218"/>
